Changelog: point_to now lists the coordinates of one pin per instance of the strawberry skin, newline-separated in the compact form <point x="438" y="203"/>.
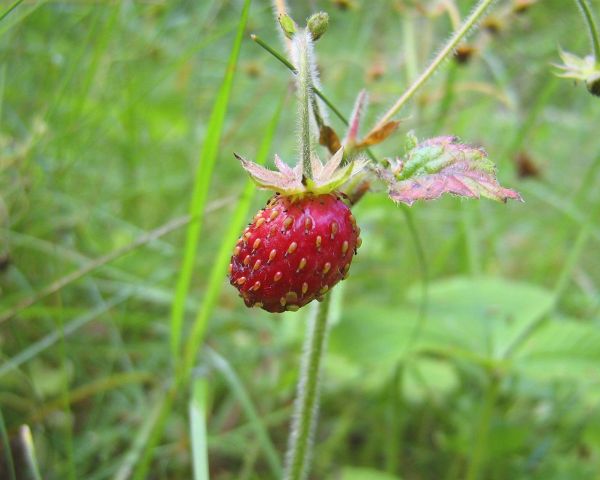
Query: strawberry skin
<point x="295" y="250"/>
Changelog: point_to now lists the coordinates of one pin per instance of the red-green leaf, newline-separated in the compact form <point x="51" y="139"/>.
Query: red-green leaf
<point x="442" y="165"/>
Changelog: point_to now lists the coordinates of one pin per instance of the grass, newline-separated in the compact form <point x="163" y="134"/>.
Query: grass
<point x="105" y="113"/>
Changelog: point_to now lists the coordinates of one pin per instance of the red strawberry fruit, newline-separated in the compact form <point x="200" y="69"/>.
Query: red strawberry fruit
<point x="302" y="243"/>
<point x="294" y="251"/>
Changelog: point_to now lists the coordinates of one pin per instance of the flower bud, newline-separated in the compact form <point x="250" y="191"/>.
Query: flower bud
<point x="317" y="25"/>
<point x="593" y="83"/>
<point x="287" y="25"/>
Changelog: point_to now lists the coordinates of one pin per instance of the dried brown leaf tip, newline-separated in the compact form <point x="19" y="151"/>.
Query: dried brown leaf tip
<point x="377" y="136"/>
<point x="521" y="6"/>
<point x="463" y="53"/>
<point x="374" y="136"/>
<point x="442" y="165"/>
<point x="329" y="139"/>
<point x="526" y="166"/>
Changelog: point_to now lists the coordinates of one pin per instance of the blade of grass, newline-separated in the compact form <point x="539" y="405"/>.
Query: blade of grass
<point x="62" y="282"/>
<point x="65" y="392"/>
<point x="223" y="366"/>
<point x="550" y="197"/>
<point x="6" y="449"/>
<point x="49" y="340"/>
<point x="214" y="287"/>
<point x="30" y="457"/>
<point x="222" y="260"/>
<point x="91" y="389"/>
<point x="140" y="441"/>
<point x="198" y="429"/>
<point x="10" y="9"/>
<point x="208" y="157"/>
<point x="87" y="265"/>
<point x="562" y="282"/>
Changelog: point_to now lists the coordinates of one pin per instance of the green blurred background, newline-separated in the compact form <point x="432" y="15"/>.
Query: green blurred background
<point x="472" y="353"/>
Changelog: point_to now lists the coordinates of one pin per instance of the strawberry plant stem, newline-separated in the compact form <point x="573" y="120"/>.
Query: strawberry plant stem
<point x="306" y="403"/>
<point x="586" y="12"/>
<point x="291" y="67"/>
<point x="304" y="81"/>
<point x="454" y="40"/>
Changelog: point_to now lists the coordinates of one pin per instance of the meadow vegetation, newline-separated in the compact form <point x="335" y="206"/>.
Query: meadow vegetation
<point x="465" y="343"/>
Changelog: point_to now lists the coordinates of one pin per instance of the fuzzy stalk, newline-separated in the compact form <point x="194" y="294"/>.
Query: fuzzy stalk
<point x="304" y="86"/>
<point x="588" y="18"/>
<point x="259" y="41"/>
<point x="307" y="398"/>
<point x="452" y="43"/>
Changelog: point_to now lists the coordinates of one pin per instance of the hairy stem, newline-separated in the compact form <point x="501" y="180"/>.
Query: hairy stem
<point x="306" y="404"/>
<point x="304" y="82"/>
<point x="291" y="67"/>
<point x="454" y="40"/>
<point x="586" y="12"/>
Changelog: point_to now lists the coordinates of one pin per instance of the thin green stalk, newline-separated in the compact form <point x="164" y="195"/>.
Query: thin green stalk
<point x="197" y="408"/>
<point x="483" y="426"/>
<point x="315" y="90"/>
<point x="559" y="288"/>
<point x="65" y="393"/>
<point x="304" y="82"/>
<point x="467" y="25"/>
<point x="424" y="271"/>
<point x="215" y="282"/>
<point x="588" y="18"/>
<point x="219" y="267"/>
<point x="10" y="9"/>
<point x="208" y="157"/>
<point x="291" y="67"/>
<point x="471" y="237"/>
<point x="448" y="98"/>
<point x="92" y="265"/>
<point x="306" y="404"/>
<point x="250" y="411"/>
<point x="141" y="439"/>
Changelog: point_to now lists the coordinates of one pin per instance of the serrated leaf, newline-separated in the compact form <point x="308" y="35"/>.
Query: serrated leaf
<point x="442" y="165"/>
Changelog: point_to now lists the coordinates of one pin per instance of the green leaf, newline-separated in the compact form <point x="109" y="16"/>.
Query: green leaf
<point x="426" y="377"/>
<point x="370" y="339"/>
<point x="564" y="349"/>
<point x="442" y="165"/>
<point x="469" y="318"/>
<point x="484" y="314"/>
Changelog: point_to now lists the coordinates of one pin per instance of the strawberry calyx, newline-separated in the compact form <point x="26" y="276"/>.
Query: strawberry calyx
<point x="290" y="181"/>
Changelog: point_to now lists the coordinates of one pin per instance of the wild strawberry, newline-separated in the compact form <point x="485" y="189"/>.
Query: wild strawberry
<point x="302" y="243"/>
<point x="294" y="251"/>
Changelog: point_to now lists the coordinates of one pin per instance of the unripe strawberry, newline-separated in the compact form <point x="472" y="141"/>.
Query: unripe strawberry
<point x="295" y="250"/>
